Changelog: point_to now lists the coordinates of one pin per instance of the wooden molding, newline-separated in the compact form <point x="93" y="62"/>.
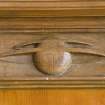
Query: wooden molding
<point x="51" y="8"/>
<point x="73" y="20"/>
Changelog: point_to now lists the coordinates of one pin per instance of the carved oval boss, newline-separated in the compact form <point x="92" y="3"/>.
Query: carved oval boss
<point x="52" y="56"/>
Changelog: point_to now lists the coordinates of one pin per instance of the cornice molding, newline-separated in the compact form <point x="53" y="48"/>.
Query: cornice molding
<point x="59" y="8"/>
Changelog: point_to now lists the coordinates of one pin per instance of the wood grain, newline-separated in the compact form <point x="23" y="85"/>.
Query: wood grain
<point x="52" y="97"/>
<point x="52" y="8"/>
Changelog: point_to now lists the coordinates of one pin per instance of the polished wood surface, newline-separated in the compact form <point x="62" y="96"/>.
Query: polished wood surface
<point x="52" y="97"/>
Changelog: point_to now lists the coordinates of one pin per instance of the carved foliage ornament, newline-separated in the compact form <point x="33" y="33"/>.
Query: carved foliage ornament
<point x="52" y="55"/>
